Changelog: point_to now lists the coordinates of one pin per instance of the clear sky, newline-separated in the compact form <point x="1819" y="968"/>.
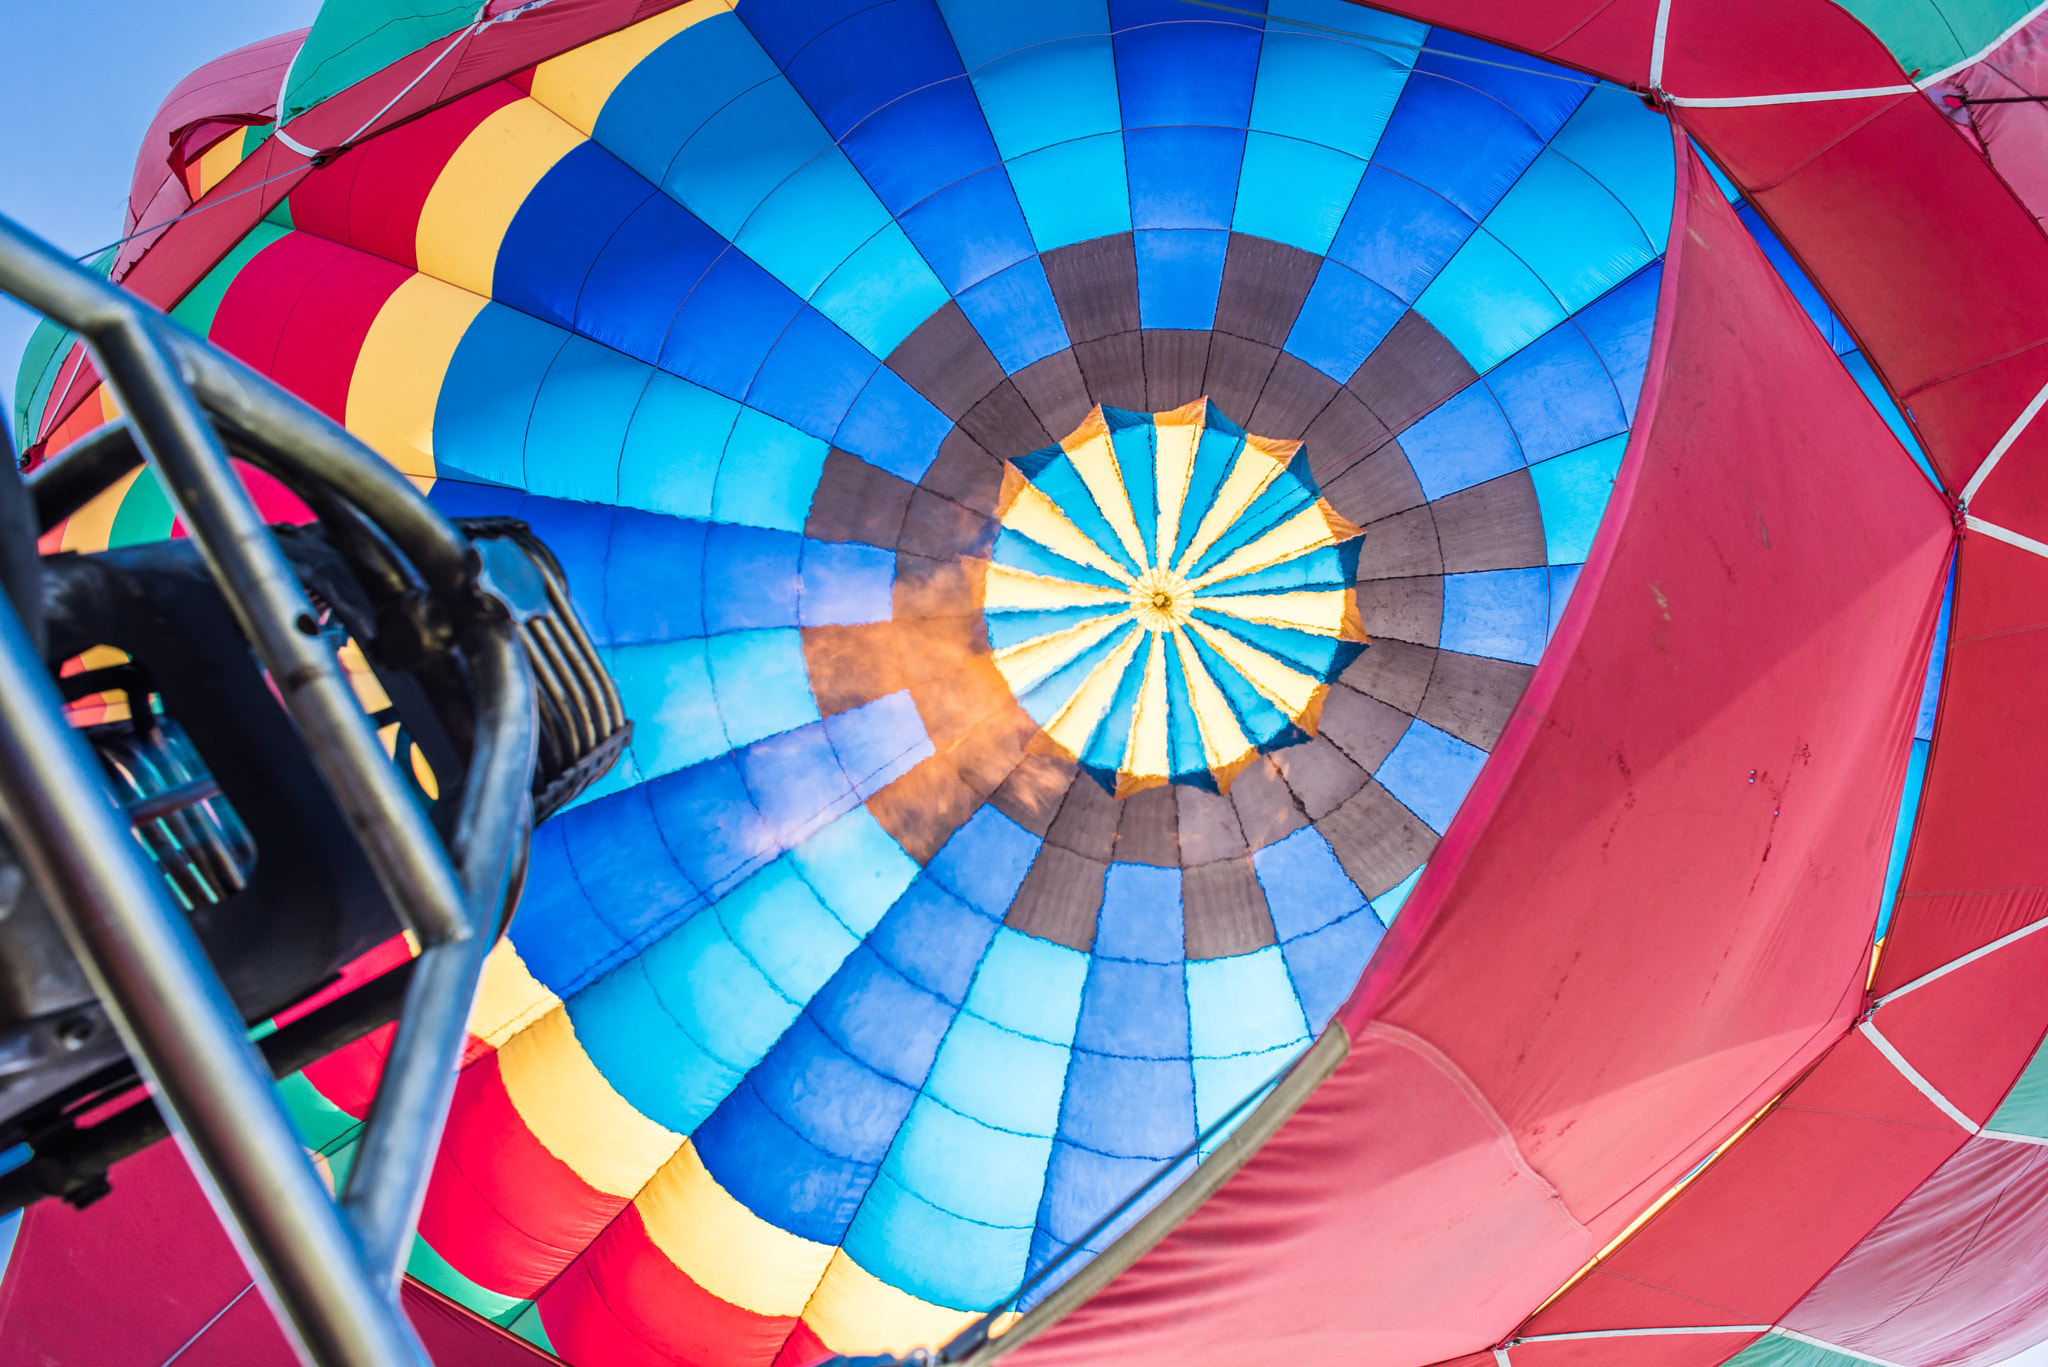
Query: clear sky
<point x="84" y="78"/>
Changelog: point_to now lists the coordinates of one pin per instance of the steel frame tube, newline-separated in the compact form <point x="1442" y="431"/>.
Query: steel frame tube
<point x="180" y="1026"/>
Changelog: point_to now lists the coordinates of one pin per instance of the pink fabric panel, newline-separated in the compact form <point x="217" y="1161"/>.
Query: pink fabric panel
<point x="2012" y="134"/>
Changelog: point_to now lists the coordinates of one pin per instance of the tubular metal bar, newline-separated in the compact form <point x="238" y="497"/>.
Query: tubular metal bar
<point x="132" y="342"/>
<point x="179" y="1025"/>
<point x="388" y="1182"/>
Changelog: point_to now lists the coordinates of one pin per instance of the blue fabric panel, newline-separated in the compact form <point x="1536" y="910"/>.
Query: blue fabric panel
<point x="1018" y="551"/>
<point x="716" y="995"/>
<point x="1388" y="904"/>
<point x="1500" y="613"/>
<point x="1430" y="771"/>
<point x="1619" y="327"/>
<point x="915" y="146"/>
<point x="1902" y="832"/>
<point x="1001" y="1078"/>
<point x="793" y="779"/>
<point x="1881" y="399"/>
<point x="1030" y="986"/>
<point x="1183" y="177"/>
<point x="1325" y="964"/>
<point x="751" y="578"/>
<point x="893" y="427"/>
<point x="882" y="292"/>
<point x="1293" y="191"/>
<point x="643" y="548"/>
<point x="985" y="32"/>
<point x="1015" y="314"/>
<point x="1013" y="628"/>
<point x="1242" y="1004"/>
<point x="1343" y="319"/>
<point x="1937" y="662"/>
<point x="785" y="28"/>
<point x="669" y="93"/>
<point x="1073" y="191"/>
<point x="822" y="1093"/>
<point x="786" y="1179"/>
<point x="1082" y="1186"/>
<point x="601" y="877"/>
<point x="769" y="474"/>
<point x="1011" y="90"/>
<point x="666" y="689"/>
<point x="487" y="395"/>
<point x="985" y="861"/>
<point x="1399" y="234"/>
<point x="1803" y="289"/>
<point x="1045" y="699"/>
<point x="1260" y="718"/>
<point x="1487" y="303"/>
<point x="1323" y="89"/>
<point x="872" y="57"/>
<point x="1306" y="651"/>
<point x="845" y="584"/>
<point x="1180" y="275"/>
<point x="1572" y="492"/>
<point x="1175" y="68"/>
<point x="1141" y="915"/>
<point x="880" y="1017"/>
<point x="577" y="434"/>
<point x="1306" y="888"/>
<point x="743" y="152"/>
<point x="1627" y="148"/>
<point x="878" y="742"/>
<point x="1184" y="736"/>
<point x="1562" y="580"/>
<point x="1134" y="1010"/>
<point x="1129" y="1107"/>
<point x="1214" y="455"/>
<point x="856" y="867"/>
<point x="673" y="447"/>
<point x="1575" y="235"/>
<point x="970" y="229"/>
<point x="724" y="329"/>
<point x="643" y="275"/>
<point x="1135" y="442"/>
<point x="707" y="823"/>
<point x="1557" y="395"/>
<point x="1465" y="441"/>
<point x="934" y="939"/>
<point x="1542" y="96"/>
<point x="560" y="227"/>
<point x="1453" y="138"/>
<point x="934" y="1254"/>
<point x="812" y="376"/>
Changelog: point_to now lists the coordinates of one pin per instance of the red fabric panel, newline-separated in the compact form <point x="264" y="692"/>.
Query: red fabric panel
<point x="1958" y="1274"/>
<point x="147" y="1271"/>
<point x="501" y="1209"/>
<point x="179" y="256"/>
<point x="623" y="1304"/>
<point x="1769" y="1217"/>
<point x="803" y="1348"/>
<point x="1623" y="946"/>
<point x="1971" y="1032"/>
<point x="348" y="1076"/>
<point x="2013" y="134"/>
<point x="1678" y="1350"/>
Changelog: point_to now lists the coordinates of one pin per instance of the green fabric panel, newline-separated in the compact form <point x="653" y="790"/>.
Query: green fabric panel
<point x="41" y="359"/>
<point x="1773" y="1350"/>
<point x="352" y="39"/>
<point x="1932" y="35"/>
<point x="146" y="514"/>
<point x="529" y="1327"/>
<point x="202" y="301"/>
<point x="2025" y="1108"/>
<point x="427" y="1266"/>
<point x="320" y="1122"/>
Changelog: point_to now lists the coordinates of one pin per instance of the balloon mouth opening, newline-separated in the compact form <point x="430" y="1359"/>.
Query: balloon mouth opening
<point x="1162" y="600"/>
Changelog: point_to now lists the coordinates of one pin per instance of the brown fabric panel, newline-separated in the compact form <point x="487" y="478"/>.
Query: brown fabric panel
<point x="1404" y="609"/>
<point x="1377" y="840"/>
<point x="1056" y="392"/>
<point x="1319" y="775"/>
<point x="1174" y="363"/>
<point x="1491" y="526"/>
<point x="1378" y="486"/>
<point x="1061" y="897"/>
<point x="1114" y="369"/>
<point x="1032" y="794"/>
<point x="1342" y="435"/>
<point x="849" y="666"/>
<point x="1472" y="697"/>
<point x="1296" y="393"/>
<point x="989" y="754"/>
<point x="1226" y="910"/>
<point x="923" y="808"/>
<point x="1401" y="546"/>
<point x="933" y="648"/>
<point x="1363" y="727"/>
<point x="1395" y="672"/>
<point x="1412" y="370"/>
<point x="1149" y="832"/>
<point x="857" y="502"/>
<point x="1236" y="373"/>
<point x="1004" y="424"/>
<point x="946" y="361"/>
<point x="941" y="529"/>
<point x="966" y="473"/>
<point x="1088" y="819"/>
<point x="1264" y="285"/>
<point x="1095" y="284"/>
<point x="954" y="703"/>
<point x="1208" y="826"/>
<point x="1266" y="810"/>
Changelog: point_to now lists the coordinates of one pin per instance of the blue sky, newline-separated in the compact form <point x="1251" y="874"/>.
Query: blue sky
<point x="84" y="78"/>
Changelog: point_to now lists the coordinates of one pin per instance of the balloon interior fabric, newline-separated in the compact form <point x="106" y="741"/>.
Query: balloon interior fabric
<point x="1072" y="495"/>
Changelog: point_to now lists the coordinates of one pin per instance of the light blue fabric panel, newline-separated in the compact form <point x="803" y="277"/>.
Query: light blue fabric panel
<point x="1497" y="613"/>
<point x="1572" y="492"/>
<point x="1322" y="88"/>
<point x="792" y="937"/>
<point x="1563" y="578"/>
<point x="1223" y="1083"/>
<point x="1242" y="1004"/>
<point x="1628" y="149"/>
<point x="1902" y="833"/>
<point x="1306" y="888"/>
<point x="856" y="868"/>
<point x="1430" y="771"/>
<point x="742" y="153"/>
<point x="768" y="475"/>
<point x="1012" y="90"/>
<point x="1073" y="191"/>
<point x="1487" y="303"/>
<point x="645" y="1052"/>
<point x="577" y="435"/>
<point x="673" y="446"/>
<point x="1937" y="663"/>
<point x="1180" y="276"/>
<point x="845" y="584"/>
<point x="812" y="222"/>
<point x="984" y="32"/>
<point x="1343" y="319"/>
<point x="1294" y="191"/>
<point x="486" y="399"/>
<point x="1466" y="440"/>
<point x="761" y="683"/>
<point x="999" y="1077"/>
<point x="960" y="1165"/>
<point x="716" y="992"/>
<point x="882" y="291"/>
<point x="933" y="1254"/>
<point x="1015" y="314"/>
<point x="1388" y="904"/>
<point x="1570" y="230"/>
<point x="666" y="689"/>
<point x="1031" y="986"/>
<point x="1880" y="398"/>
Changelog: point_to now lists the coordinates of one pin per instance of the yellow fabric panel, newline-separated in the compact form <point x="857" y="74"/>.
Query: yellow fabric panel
<point x="1307" y="530"/>
<point x="1287" y="688"/>
<point x="216" y="161"/>
<point x="854" y="1311"/>
<point x="1180" y="433"/>
<point x="1326" y="612"/>
<point x="1095" y="461"/>
<point x="1014" y="588"/>
<point x="1148" y="761"/>
<point x="1223" y="739"/>
<point x="576" y="84"/>
<point x="1025" y="663"/>
<point x="1036" y="516"/>
<point x="574" y="1112"/>
<point x="724" y="1247"/>
<point x="482" y="187"/>
<point x="89" y="527"/>
<point x="397" y="379"/>
<point x="509" y="998"/>
<point x="1077" y="720"/>
<point x="1247" y="479"/>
